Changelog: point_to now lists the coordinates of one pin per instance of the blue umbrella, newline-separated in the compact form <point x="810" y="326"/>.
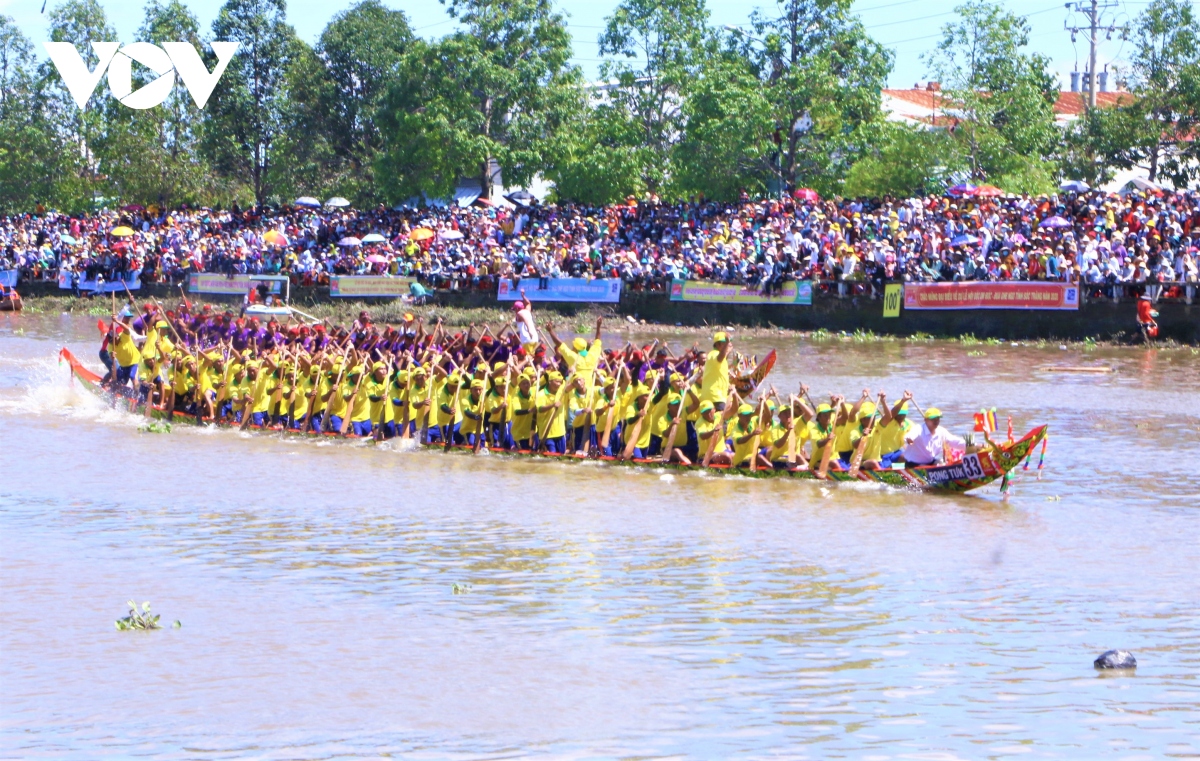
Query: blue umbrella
<point x="1074" y="186"/>
<point x="964" y="240"/>
<point x="307" y="201"/>
<point x="68" y="240"/>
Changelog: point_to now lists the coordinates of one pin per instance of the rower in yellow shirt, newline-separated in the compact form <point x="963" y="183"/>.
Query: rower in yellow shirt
<point x="419" y="400"/>
<point x="375" y="387"/>
<point x="496" y="406"/>
<point x="473" y="413"/>
<point x="710" y="435"/>
<point x="523" y="403"/>
<point x="714" y="382"/>
<point x="448" y="410"/>
<point x="552" y="415"/>
<point x="780" y="437"/>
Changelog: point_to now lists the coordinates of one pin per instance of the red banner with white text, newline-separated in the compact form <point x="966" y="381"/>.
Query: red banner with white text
<point x="975" y="295"/>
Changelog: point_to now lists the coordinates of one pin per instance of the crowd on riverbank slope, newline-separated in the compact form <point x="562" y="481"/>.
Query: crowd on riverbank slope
<point x="1108" y="242"/>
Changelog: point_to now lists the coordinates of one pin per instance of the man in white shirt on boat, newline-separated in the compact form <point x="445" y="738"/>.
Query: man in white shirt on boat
<point x="933" y="443"/>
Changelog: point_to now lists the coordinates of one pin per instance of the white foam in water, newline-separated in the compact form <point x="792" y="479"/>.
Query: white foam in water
<point x="49" y="389"/>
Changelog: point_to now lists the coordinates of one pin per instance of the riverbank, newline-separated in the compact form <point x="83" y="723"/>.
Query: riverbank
<point x="1100" y="321"/>
<point x="582" y="319"/>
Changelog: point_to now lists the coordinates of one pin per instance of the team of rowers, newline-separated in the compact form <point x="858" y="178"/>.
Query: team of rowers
<point x="508" y="390"/>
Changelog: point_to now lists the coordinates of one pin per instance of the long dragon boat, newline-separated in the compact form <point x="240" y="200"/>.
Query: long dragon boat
<point x="974" y="470"/>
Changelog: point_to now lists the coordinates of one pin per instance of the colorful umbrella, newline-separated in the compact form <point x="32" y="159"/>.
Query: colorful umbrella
<point x="275" y="238"/>
<point x="377" y="259"/>
<point x="1054" y="222"/>
<point x="122" y="231"/>
<point x="374" y="238"/>
<point x="988" y="191"/>
<point x="133" y="207"/>
<point x="420" y="234"/>
<point x="963" y="189"/>
<point x="68" y="240"/>
<point x="964" y="240"/>
<point x="806" y="194"/>
<point x="307" y="201"/>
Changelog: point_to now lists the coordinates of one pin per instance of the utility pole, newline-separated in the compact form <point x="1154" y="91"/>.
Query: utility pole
<point x="1094" y="12"/>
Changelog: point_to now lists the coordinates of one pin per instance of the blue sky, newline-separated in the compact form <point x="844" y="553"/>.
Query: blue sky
<point x="908" y="27"/>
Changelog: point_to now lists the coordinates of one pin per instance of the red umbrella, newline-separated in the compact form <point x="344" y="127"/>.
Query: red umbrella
<point x="806" y="194"/>
<point x="988" y="191"/>
<point x="133" y="207"/>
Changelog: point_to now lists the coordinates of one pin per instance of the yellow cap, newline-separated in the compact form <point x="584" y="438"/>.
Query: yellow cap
<point x="720" y="337"/>
<point x="579" y="344"/>
<point x="932" y="412"/>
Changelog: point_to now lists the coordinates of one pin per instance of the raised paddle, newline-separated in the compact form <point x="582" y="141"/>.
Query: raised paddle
<point x="718" y="430"/>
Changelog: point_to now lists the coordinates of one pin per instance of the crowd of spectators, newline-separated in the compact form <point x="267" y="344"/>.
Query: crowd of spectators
<point x="1113" y="245"/>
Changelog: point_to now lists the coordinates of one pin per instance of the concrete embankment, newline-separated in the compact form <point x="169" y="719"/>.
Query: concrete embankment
<point x="1100" y="319"/>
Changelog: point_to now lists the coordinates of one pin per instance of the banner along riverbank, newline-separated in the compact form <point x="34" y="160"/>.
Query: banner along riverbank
<point x="1094" y="321"/>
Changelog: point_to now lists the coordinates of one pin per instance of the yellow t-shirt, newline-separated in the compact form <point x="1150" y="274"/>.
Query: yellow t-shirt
<point x="714" y="382"/>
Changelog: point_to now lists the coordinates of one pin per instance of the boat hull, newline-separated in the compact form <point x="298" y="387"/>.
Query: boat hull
<point x="972" y="472"/>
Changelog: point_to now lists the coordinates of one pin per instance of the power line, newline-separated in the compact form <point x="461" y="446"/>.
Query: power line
<point x="939" y="34"/>
<point x="1095" y="12"/>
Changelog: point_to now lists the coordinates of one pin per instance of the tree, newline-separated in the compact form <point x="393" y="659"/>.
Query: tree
<point x="999" y="97"/>
<point x="246" y="111"/>
<point x="903" y="161"/>
<point x="30" y="159"/>
<point x="361" y="49"/>
<point x="668" y="38"/>
<point x="822" y="74"/>
<point x="500" y="93"/>
<point x="604" y="160"/>
<point x="1166" y="84"/>
<point x="76" y="130"/>
<point x="152" y="155"/>
<point x="727" y="145"/>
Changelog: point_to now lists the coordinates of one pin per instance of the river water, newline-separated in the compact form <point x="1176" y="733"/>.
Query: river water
<point x="602" y="612"/>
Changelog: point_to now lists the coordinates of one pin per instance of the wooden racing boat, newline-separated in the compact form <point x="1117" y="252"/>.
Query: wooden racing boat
<point x="971" y="472"/>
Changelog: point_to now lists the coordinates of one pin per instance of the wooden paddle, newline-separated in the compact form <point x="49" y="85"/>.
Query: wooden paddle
<point x="631" y="441"/>
<point x="718" y="430"/>
<point x="327" y="419"/>
<point x="612" y="409"/>
<point x="754" y="442"/>
<point x="827" y="452"/>
<point x="856" y="460"/>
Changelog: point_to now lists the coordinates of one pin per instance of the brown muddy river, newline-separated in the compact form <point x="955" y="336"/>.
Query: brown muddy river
<point x="602" y="612"/>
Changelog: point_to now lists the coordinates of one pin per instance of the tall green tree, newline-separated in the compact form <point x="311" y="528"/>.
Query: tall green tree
<point x="903" y="161"/>
<point x="361" y="49"/>
<point x="999" y="95"/>
<point x="822" y="74"/>
<point x="30" y="156"/>
<point x="153" y="155"/>
<point x="661" y="44"/>
<point x="77" y="130"/>
<point x="501" y="92"/>
<point x="1165" y="74"/>
<point x="247" y="108"/>
<point x="728" y="144"/>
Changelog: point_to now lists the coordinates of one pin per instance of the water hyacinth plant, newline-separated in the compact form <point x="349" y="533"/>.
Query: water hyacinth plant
<point x="141" y="619"/>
